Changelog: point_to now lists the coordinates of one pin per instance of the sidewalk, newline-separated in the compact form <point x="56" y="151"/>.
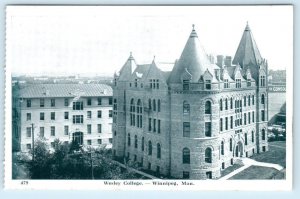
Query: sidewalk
<point x="250" y="162"/>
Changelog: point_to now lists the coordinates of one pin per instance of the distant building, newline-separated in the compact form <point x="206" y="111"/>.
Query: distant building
<point x="68" y="112"/>
<point x="197" y="119"/>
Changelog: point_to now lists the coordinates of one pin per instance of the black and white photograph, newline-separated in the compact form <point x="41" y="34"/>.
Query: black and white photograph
<point x="149" y="97"/>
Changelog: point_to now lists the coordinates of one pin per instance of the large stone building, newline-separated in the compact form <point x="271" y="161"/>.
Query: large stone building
<point x="197" y="119"/>
<point x="68" y="112"/>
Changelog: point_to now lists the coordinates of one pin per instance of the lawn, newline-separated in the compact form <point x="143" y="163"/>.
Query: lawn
<point x="276" y="154"/>
<point x="255" y="173"/>
<point x="230" y="169"/>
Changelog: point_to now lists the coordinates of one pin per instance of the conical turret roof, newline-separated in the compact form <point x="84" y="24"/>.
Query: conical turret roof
<point x="127" y="69"/>
<point x="193" y="59"/>
<point x="247" y="52"/>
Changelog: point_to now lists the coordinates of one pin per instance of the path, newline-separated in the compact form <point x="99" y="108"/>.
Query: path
<point x="250" y="162"/>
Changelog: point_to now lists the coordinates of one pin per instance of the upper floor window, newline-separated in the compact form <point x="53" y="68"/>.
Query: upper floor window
<point x="52" y="102"/>
<point x="89" y="101"/>
<point x="52" y="128"/>
<point x="28" y="116"/>
<point x="186" y="85"/>
<point x="149" y="148"/>
<point x="186" y="129"/>
<point x="149" y="104"/>
<point x="248" y="82"/>
<point x="99" y="100"/>
<point x="246" y="139"/>
<point x="263" y="134"/>
<point x="77" y="119"/>
<point x="208" y="129"/>
<point x="99" y="114"/>
<point x="208" y="155"/>
<point x="158" y="154"/>
<point x="252" y="136"/>
<point x="42" y="102"/>
<point x="132" y="112"/>
<point x="207" y="84"/>
<point x="186" y="156"/>
<point x="186" y="107"/>
<point x="230" y="144"/>
<point x="158" y="105"/>
<point x="77" y="105"/>
<point x="135" y="83"/>
<point x="154" y="104"/>
<point x="66" y="102"/>
<point x="262" y="81"/>
<point x="263" y="99"/>
<point x="143" y="143"/>
<point x="110" y="100"/>
<point x="245" y="101"/>
<point x="226" y="104"/>
<point x="28" y="102"/>
<point x="128" y="139"/>
<point x="207" y="107"/>
<point x="221" y="105"/>
<point x="139" y="110"/>
<point x="231" y="103"/>
<point x="263" y="115"/>
<point x="249" y="100"/>
<point x="222" y="148"/>
<point x="238" y="83"/>
<point x="253" y="101"/>
<point x="226" y="83"/>
<point x="135" y="142"/>
<point x="28" y="132"/>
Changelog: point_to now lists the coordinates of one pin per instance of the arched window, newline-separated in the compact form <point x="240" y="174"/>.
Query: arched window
<point x="262" y="81"/>
<point x="263" y="134"/>
<point x="263" y="99"/>
<point x="132" y="113"/>
<point x="158" y="105"/>
<point x="139" y="110"/>
<point x="128" y="139"/>
<point x="252" y="136"/>
<point x="158" y="154"/>
<point x="186" y="107"/>
<point x="222" y="148"/>
<point x="143" y="143"/>
<point x="226" y="104"/>
<point x="154" y="105"/>
<point x="207" y="107"/>
<point x="149" y="148"/>
<point x="231" y="103"/>
<point x="186" y="156"/>
<point x="208" y="155"/>
<point x="230" y="144"/>
<point x="149" y="104"/>
<point x="135" y="142"/>
<point x="221" y="105"/>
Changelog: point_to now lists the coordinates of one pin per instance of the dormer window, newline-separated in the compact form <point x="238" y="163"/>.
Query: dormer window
<point x="226" y="84"/>
<point x="186" y="85"/>
<point x="238" y="83"/>
<point x="262" y="81"/>
<point x="208" y="84"/>
<point x="135" y="83"/>
<point x="248" y="82"/>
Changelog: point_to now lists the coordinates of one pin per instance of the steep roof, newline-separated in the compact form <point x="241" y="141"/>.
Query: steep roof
<point x="127" y="69"/>
<point x="247" y="52"/>
<point x="193" y="59"/>
<point x="65" y="90"/>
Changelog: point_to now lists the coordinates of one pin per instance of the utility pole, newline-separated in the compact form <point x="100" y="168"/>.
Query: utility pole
<point x="32" y="136"/>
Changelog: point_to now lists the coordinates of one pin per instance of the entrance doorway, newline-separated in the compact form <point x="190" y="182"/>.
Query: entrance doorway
<point x="239" y="151"/>
<point x="77" y="137"/>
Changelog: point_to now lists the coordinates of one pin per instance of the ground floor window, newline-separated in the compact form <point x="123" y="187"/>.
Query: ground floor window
<point x="209" y="175"/>
<point x="78" y="138"/>
<point x="186" y="175"/>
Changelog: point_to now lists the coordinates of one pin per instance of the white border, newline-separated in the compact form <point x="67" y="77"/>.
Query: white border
<point x="210" y="185"/>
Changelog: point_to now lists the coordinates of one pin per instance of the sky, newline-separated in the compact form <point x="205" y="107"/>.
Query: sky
<point x="97" y="40"/>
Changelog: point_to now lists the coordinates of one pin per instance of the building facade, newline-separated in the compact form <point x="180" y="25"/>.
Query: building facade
<point x="68" y="112"/>
<point x="196" y="120"/>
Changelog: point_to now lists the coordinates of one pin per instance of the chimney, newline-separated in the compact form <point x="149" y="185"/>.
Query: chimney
<point x="228" y="61"/>
<point x="220" y="60"/>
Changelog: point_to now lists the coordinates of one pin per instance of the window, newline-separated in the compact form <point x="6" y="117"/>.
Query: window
<point x="238" y="83"/>
<point x="110" y="113"/>
<point x="207" y="107"/>
<point x="143" y="143"/>
<point x="231" y="122"/>
<point x="208" y="129"/>
<point x="245" y="101"/>
<point x="110" y="101"/>
<point x="42" y="102"/>
<point x="252" y="136"/>
<point x="135" y="142"/>
<point x="154" y="105"/>
<point x="28" y="102"/>
<point x="186" y="108"/>
<point x="186" y="85"/>
<point x="221" y="105"/>
<point x="149" y="104"/>
<point x="226" y="123"/>
<point x="245" y="118"/>
<point x="222" y="148"/>
<point x="139" y="110"/>
<point x="135" y="82"/>
<point x="186" y="129"/>
<point x="89" y="114"/>
<point x="263" y="99"/>
<point x="158" y="154"/>
<point x="89" y="102"/>
<point x="52" y="102"/>
<point x="66" y="102"/>
<point x="230" y="144"/>
<point x="99" y="114"/>
<point x="77" y="105"/>
<point x="150" y="83"/>
<point x="99" y="141"/>
<point x="249" y="100"/>
<point x="28" y="132"/>
<point x="66" y="130"/>
<point x="89" y="142"/>
<point x="115" y="105"/>
<point x="132" y="113"/>
<point x="208" y="155"/>
<point x="99" y="100"/>
<point x="77" y="119"/>
<point x="252" y="99"/>
<point x="246" y="139"/>
<point x="42" y="131"/>
<point x="262" y="115"/>
<point x="66" y="115"/>
<point x="226" y="84"/>
<point x="52" y="115"/>
<point x="248" y="82"/>
<point x="154" y="125"/>
<point x="110" y="140"/>
<point x="221" y="124"/>
<point x="99" y="128"/>
<point x="231" y="103"/>
<point x="253" y="116"/>
<point x="128" y="139"/>
<point x="28" y="116"/>
<point x="158" y="126"/>
<point x="158" y="105"/>
<point x="149" y="148"/>
<point x="185" y="175"/>
<point x="262" y="81"/>
<point x="89" y="128"/>
<point x="249" y="118"/>
<point x="263" y="134"/>
<point x="52" y="129"/>
<point x="207" y="84"/>
<point x="186" y="156"/>
<point x="28" y="146"/>
<point x="149" y="125"/>
<point x="226" y="104"/>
